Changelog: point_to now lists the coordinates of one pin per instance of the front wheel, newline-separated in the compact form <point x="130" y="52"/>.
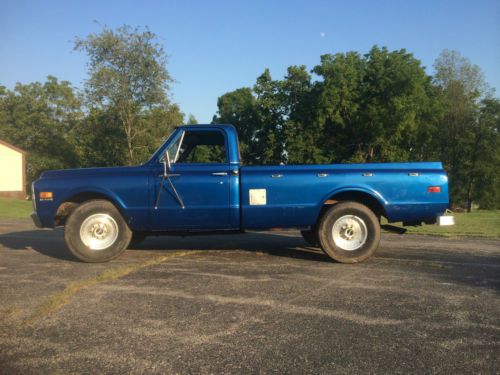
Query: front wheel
<point x="96" y="232"/>
<point x="349" y="232"/>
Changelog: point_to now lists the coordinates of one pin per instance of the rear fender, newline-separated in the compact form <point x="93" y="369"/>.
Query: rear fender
<point x="345" y="189"/>
<point x="327" y="199"/>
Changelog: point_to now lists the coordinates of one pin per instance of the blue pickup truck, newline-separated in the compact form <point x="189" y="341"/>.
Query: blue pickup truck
<point x="195" y="182"/>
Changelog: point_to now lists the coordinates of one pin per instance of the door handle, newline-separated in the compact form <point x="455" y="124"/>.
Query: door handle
<point x="219" y="174"/>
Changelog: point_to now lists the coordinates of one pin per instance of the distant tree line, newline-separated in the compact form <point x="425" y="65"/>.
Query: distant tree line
<point x="381" y="106"/>
<point x="377" y="107"/>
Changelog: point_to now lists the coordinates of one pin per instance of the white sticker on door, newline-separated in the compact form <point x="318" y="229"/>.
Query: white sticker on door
<point x="258" y="197"/>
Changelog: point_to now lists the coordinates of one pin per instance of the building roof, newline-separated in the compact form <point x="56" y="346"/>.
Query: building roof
<point x="7" y="144"/>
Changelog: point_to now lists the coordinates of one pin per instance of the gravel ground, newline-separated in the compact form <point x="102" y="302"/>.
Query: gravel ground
<point x="250" y="303"/>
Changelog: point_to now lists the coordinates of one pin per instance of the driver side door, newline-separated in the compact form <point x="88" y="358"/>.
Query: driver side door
<point x="199" y="172"/>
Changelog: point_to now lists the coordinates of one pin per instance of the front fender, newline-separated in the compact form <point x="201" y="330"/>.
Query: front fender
<point x="98" y="191"/>
<point x="47" y="210"/>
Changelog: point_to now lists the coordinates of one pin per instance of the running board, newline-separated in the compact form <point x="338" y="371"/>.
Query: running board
<point x="393" y="229"/>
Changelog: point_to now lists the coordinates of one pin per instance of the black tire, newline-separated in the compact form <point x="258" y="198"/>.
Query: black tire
<point x="104" y="223"/>
<point x="357" y="232"/>
<point x="311" y="236"/>
<point x="137" y="238"/>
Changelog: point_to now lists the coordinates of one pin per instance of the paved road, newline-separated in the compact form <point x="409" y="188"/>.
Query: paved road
<point x="253" y="303"/>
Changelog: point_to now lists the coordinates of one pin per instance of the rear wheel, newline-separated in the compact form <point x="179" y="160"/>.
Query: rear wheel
<point x="96" y="232"/>
<point x="349" y="232"/>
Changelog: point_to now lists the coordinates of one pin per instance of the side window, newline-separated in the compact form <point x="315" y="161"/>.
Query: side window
<point x="203" y="147"/>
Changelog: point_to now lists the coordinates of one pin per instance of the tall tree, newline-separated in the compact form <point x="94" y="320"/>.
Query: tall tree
<point x="302" y="132"/>
<point x="99" y="139"/>
<point x="483" y="180"/>
<point x="339" y="105"/>
<point x="127" y="75"/>
<point x="270" y="137"/>
<point x="371" y="106"/>
<point x="462" y="85"/>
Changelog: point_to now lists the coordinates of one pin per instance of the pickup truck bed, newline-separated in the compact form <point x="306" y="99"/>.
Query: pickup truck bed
<point x="399" y="188"/>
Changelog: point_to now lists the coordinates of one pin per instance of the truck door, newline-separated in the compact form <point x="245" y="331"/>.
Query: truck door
<point x="198" y="193"/>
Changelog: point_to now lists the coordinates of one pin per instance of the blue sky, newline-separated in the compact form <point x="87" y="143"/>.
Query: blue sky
<point x="218" y="46"/>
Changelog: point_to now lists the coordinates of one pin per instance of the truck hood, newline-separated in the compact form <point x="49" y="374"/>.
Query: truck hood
<point x="86" y="172"/>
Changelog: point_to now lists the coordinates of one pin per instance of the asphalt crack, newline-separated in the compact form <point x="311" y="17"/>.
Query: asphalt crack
<point x="58" y="300"/>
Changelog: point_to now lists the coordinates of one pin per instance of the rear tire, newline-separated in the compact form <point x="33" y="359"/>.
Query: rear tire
<point x="349" y="232"/>
<point x="96" y="232"/>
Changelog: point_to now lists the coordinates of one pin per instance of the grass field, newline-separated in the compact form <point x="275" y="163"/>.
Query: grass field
<point x="475" y="224"/>
<point x="16" y="208"/>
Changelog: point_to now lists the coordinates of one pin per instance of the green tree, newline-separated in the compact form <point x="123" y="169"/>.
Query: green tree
<point x="269" y="138"/>
<point x="128" y="76"/>
<point x="302" y="131"/>
<point x="376" y="107"/>
<point x="41" y="118"/>
<point x="239" y="108"/>
<point x="462" y="86"/>
<point x="371" y="107"/>
<point x="100" y="136"/>
<point x="191" y="120"/>
<point x="381" y="106"/>
<point x="483" y="184"/>
<point x="339" y="105"/>
<point x="99" y="139"/>
<point x="160" y="122"/>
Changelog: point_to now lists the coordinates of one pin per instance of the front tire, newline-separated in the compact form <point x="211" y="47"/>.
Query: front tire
<point x="96" y="232"/>
<point x="349" y="232"/>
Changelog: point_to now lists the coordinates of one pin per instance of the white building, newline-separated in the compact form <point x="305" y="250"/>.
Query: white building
<point x="13" y="171"/>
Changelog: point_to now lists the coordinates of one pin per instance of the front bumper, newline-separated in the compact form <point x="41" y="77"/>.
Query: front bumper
<point x="36" y="219"/>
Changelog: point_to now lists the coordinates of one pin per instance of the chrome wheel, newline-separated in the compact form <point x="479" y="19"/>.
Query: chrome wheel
<point x="99" y="231"/>
<point x="349" y="232"/>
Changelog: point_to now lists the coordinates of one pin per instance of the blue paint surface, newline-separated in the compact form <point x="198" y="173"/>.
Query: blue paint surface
<point x="216" y="195"/>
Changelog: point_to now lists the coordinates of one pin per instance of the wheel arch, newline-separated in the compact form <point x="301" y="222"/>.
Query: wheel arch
<point x="371" y="199"/>
<point x="74" y="199"/>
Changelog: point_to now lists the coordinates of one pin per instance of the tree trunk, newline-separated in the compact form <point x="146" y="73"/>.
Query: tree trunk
<point x="469" y="194"/>
<point x="128" y="127"/>
<point x="130" y="151"/>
